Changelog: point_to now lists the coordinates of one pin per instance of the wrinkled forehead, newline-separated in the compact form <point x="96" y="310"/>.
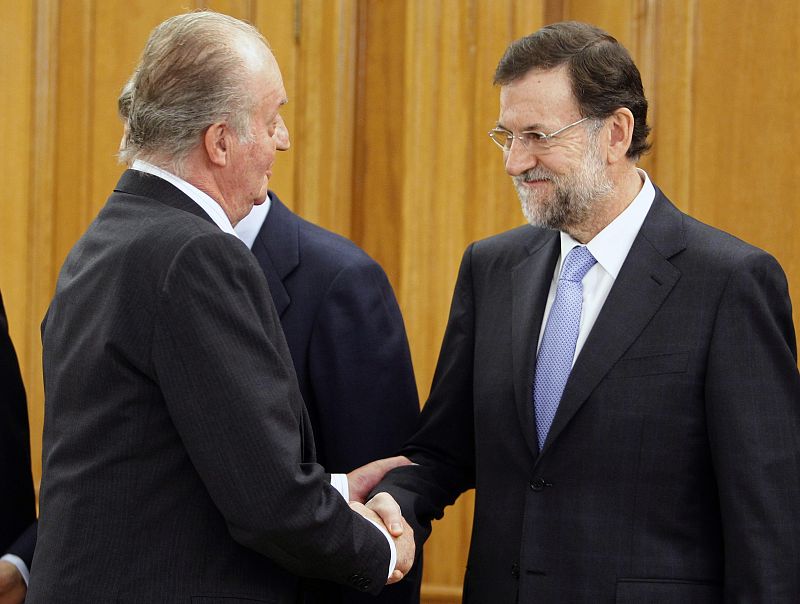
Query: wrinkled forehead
<point x="538" y="98"/>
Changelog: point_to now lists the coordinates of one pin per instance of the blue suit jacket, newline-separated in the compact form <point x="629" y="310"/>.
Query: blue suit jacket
<point x="349" y="348"/>
<point x="17" y="508"/>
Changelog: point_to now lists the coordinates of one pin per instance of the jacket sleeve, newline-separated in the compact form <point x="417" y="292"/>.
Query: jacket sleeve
<point x="753" y="411"/>
<point x="25" y="544"/>
<point x="443" y="446"/>
<point x="17" y="503"/>
<point x="221" y="360"/>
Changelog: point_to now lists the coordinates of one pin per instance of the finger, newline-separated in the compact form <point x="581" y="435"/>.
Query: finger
<point x="406" y="549"/>
<point x="394" y="577"/>
<point x="389" y="511"/>
<point x="390" y="463"/>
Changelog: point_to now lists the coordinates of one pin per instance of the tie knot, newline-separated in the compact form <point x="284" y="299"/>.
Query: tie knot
<point x="577" y="264"/>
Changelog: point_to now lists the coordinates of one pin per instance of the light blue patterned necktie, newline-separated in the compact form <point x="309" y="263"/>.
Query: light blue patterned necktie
<point x="554" y="362"/>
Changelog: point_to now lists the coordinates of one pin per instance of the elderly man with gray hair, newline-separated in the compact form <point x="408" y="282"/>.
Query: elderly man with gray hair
<point x="178" y="457"/>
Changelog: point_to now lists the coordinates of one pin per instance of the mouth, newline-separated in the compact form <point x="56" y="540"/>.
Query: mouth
<point x="533" y="182"/>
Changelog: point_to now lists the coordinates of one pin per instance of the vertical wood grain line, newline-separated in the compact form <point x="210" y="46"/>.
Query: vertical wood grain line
<point x="41" y="205"/>
<point x="689" y="101"/>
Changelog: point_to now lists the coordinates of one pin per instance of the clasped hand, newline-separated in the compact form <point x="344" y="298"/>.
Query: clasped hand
<point x="383" y="509"/>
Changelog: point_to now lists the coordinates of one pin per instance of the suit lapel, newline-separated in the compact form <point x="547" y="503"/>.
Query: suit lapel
<point x="277" y="250"/>
<point x="644" y="282"/>
<point x="530" y="283"/>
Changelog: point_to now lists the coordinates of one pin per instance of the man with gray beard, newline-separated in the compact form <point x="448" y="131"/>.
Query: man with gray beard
<point x="617" y="381"/>
<point x="573" y="194"/>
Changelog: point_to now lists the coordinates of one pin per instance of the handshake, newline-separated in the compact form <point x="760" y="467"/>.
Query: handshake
<point x="382" y="509"/>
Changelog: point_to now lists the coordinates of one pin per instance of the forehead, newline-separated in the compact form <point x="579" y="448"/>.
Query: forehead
<point x="268" y="82"/>
<point x="539" y="98"/>
<point x="274" y="78"/>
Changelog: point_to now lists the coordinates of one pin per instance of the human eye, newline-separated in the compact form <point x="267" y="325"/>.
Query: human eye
<point x="533" y="136"/>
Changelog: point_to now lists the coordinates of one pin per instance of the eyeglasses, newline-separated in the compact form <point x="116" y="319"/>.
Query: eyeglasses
<point x="530" y="139"/>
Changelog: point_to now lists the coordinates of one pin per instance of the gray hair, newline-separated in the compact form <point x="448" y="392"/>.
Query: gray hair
<point x="192" y="73"/>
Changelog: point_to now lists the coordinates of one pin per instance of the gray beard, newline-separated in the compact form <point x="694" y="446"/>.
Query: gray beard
<point x="574" y="195"/>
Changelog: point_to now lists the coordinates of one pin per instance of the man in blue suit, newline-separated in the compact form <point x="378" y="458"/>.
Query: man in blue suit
<point x="349" y="348"/>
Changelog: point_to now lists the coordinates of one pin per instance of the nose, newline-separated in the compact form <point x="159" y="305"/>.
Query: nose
<point x="519" y="159"/>
<point x="281" y="136"/>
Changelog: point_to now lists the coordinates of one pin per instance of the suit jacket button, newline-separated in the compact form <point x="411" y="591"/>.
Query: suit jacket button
<point x="515" y="570"/>
<point x="537" y="484"/>
<point x="360" y="581"/>
<point x="355" y="579"/>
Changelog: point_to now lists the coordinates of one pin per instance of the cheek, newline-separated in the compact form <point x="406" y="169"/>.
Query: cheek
<point x="561" y="163"/>
<point x="572" y="154"/>
<point x="266" y="150"/>
<point x="262" y="192"/>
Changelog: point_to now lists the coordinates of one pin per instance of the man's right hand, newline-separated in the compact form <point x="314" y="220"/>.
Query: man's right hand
<point x="384" y="510"/>
<point x="362" y="480"/>
<point x="12" y="585"/>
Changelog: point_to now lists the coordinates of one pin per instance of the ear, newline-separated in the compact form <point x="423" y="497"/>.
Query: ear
<point x="217" y="143"/>
<point x="621" y="126"/>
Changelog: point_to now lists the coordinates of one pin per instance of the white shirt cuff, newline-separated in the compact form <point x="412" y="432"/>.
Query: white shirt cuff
<point x="392" y="547"/>
<point x="339" y="482"/>
<point x="21" y="566"/>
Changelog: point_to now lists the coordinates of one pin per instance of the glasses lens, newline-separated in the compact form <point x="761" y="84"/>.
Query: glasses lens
<point x="535" y="140"/>
<point x="501" y="137"/>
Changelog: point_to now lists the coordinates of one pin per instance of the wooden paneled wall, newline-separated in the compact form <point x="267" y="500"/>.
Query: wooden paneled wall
<point x="390" y="101"/>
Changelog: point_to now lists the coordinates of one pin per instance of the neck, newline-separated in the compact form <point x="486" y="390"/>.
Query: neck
<point x="199" y="172"/>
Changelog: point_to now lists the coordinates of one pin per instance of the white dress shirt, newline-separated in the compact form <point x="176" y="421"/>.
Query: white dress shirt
<point x="609" y="247"/>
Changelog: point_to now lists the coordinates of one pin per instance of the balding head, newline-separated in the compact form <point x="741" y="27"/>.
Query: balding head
<point x="194" y="71"/>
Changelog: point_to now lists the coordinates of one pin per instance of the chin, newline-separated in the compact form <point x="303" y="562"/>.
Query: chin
<point x="262" y="194"/>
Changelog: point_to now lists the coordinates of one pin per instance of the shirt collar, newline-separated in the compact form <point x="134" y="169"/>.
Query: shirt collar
<point x="206" y="202"/>
<point x="610" y="246"/>
<point x="248" y="227"/>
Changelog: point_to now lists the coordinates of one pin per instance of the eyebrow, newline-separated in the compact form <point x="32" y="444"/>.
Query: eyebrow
<point x="531" y="128"/>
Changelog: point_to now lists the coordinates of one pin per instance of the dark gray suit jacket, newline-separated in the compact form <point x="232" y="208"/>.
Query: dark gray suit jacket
<point x="178" y="455"/>
<point x="671" y="472"/>
<point x="348" y="344"/>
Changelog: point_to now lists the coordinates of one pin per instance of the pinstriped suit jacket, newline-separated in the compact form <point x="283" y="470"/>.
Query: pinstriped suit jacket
<point x="178" y="455"/>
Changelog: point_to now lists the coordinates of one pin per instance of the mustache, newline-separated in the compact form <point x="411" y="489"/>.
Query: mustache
<point x="537" y="173"/>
